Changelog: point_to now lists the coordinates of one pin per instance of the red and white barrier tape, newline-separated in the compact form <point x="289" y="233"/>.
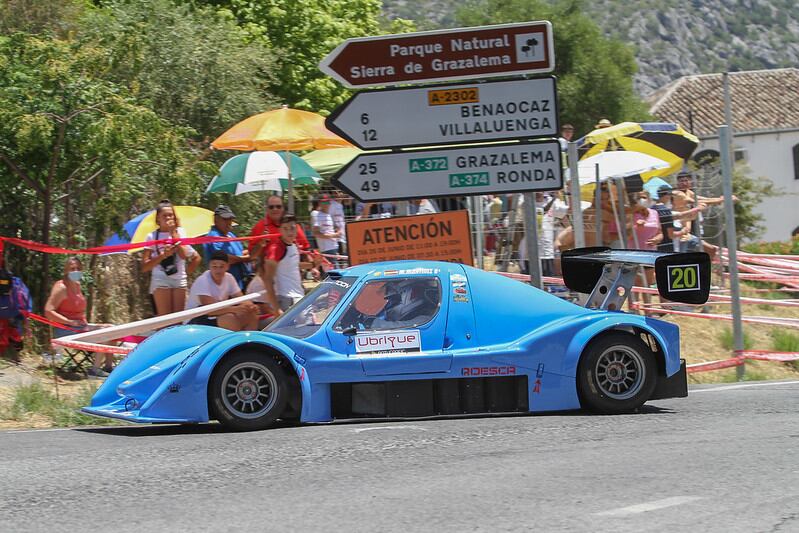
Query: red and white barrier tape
<point x="738" y="360"/>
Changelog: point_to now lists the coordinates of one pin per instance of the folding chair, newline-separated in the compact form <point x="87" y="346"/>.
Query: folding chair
<point x="72" y="359"/>
<point x="75" y="360"/>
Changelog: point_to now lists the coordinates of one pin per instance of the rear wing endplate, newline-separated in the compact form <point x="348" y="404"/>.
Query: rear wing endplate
<point x="608" y="275"/>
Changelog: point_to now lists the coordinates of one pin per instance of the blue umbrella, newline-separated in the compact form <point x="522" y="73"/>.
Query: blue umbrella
<point x="653" y="185"/>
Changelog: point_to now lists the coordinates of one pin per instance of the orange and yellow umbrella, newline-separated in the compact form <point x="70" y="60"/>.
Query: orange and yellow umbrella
<point x="280" y="129"/>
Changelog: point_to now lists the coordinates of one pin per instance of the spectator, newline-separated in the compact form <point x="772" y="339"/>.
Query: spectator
<point x="324" y="229"/>
<point x="238" y="257"/>
<point x="603" y="123"/>
<point x="663" y="207"/>
<point x="422" y="206"/>
<point x="547" y="210"/>
<point x="270" y="225"/>
<point x="494" y="223"/>
<point x="685" y="199"/>
<point x="216" y="285"/>
<point x="265" y="313"/>
<point x="645" y="224"/>
<point x="374" y="210"/>
<point x="67" y="305"/>
<point x="281" y="268"/>
<point x="337" y="212"/>
<point x="566" y="134"/>
<point x="170" y="272"/>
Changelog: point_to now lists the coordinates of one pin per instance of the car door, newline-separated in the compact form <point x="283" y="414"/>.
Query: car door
<point x="395" y="325"/>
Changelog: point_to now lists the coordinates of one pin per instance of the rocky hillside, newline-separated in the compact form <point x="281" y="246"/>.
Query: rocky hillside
<point x="672" y="38"/>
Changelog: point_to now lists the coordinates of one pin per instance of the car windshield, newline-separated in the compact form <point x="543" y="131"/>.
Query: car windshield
<point x="306" y="316"/>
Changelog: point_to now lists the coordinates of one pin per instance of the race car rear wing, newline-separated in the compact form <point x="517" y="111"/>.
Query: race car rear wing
<point x="608" y="275"/>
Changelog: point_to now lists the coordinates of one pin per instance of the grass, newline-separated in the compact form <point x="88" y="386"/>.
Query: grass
<point x="35" y="400"/>
<point x="785" y="341"/>
<point x="727" y="340"/>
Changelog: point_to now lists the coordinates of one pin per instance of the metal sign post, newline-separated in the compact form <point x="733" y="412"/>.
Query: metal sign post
<point x="448" y="114"/>
<point x="456" y="54"/>
<point x="732" y="243"/>
<point x="577" y="212"/>
<point x="531" y="236"/>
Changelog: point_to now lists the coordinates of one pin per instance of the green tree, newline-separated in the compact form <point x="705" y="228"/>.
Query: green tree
<point x="192" y="65"/>
<point x="304" y="31"/>
<point x="76" y="150"/>
<point x="594" y="72"/>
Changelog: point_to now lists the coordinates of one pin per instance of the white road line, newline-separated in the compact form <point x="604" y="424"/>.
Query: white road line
<point x="744" y="386"/>
<point x="361" y="430"/>
<point x="649" y="506"/>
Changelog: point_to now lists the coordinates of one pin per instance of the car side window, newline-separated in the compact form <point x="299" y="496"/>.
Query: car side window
<point x="387" y="304"/>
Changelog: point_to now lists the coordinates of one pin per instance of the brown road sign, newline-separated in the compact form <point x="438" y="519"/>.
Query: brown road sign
<point x="463" y="53"/>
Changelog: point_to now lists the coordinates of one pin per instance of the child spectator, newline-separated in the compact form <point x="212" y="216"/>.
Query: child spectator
<point x="168" y="263"/>
<point x="281" y="268"/>
<point x="216" y="285"/>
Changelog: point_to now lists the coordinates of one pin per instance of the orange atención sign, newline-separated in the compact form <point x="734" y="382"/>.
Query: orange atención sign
<point x="440" y="237"/>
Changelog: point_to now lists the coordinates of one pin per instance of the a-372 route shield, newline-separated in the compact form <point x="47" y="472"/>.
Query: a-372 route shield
<point x="449" y="114"/>
<point x="472" y="170"/>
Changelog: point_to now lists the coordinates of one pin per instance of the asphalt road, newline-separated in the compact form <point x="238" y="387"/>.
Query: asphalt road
<point x="724" y="459"/>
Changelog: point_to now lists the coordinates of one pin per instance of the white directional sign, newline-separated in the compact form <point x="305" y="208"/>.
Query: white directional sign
<point x="475" y="170"/>
<point x="449" y="114"/>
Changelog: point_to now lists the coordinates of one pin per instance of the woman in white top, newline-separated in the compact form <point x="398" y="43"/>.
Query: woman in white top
<point x="167" y="262"/>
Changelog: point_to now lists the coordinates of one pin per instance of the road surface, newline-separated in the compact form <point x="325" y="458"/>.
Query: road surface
<point x="724" y="459"/>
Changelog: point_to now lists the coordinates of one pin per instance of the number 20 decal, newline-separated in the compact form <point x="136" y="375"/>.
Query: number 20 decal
<point x="683" y="278"/>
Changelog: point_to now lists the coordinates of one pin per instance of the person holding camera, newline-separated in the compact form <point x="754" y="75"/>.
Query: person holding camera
<point x="170" y="264"/>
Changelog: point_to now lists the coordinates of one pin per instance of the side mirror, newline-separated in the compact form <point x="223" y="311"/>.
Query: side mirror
<point x="350" y="332"/>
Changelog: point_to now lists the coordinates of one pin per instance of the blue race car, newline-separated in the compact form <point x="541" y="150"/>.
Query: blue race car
<point x="417" y="339"/>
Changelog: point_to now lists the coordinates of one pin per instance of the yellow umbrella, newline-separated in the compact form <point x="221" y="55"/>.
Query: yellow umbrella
<point x="280" y="129"/>
<point x="195" y="221"/>
<point x="663" y="140"/>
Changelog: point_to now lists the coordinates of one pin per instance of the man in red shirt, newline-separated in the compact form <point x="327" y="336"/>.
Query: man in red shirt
<point x="270" y="225"/>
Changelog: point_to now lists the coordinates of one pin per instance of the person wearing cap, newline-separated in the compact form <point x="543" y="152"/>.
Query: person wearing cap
<point x="216" y="285"/>
<point x="238" y="257"/>
<point x="603" y="123"/>
<point x="663" y="207"/>
<point x="324" y="228"/>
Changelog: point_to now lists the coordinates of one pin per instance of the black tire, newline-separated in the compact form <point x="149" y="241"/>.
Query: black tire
<point x="247" y="391"/>
<point x="617" y="373"/>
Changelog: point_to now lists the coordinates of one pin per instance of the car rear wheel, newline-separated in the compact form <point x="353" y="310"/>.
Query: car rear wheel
<point x="617" y="374"/>
<point x="248" y="391"/>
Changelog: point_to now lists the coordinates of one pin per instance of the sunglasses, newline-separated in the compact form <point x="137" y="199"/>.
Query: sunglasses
<point x="275" y="206"/>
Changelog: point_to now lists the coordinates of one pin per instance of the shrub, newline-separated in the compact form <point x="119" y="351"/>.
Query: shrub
<point x="728" y="340"/>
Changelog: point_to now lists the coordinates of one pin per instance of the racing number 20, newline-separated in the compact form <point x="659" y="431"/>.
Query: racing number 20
<point x="684" y="278"/>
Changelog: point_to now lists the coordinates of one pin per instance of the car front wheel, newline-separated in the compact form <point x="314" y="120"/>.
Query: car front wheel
<point x="248" y="391"/>
<point x="617" y="374"/>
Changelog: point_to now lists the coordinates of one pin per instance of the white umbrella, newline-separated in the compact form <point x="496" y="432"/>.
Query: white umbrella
<point x="617" y="164"/>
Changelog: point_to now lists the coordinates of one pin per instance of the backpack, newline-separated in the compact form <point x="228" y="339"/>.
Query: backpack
<point x="15" y="298"/>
